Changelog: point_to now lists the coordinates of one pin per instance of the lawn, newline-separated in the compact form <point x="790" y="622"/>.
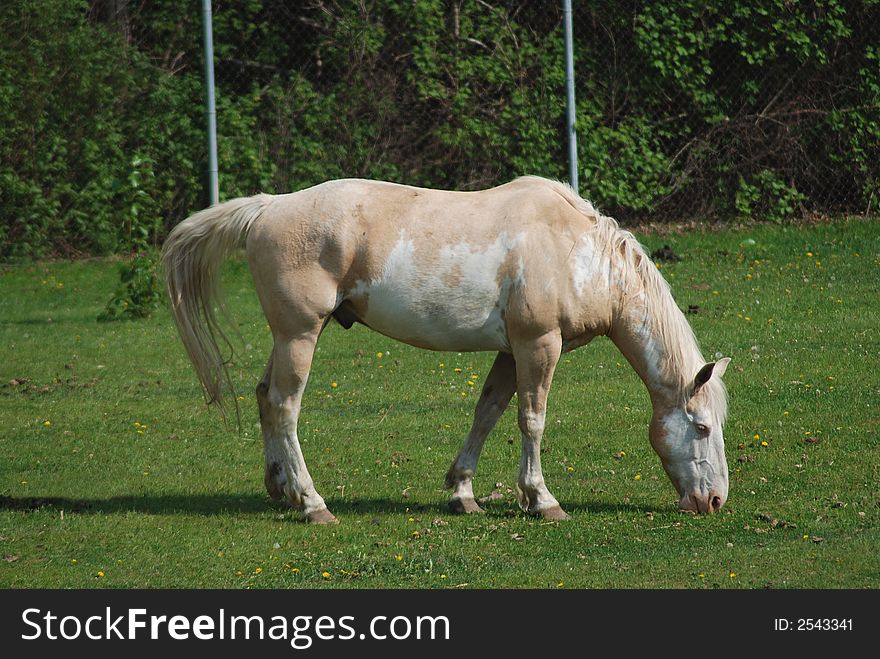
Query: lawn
<point x="113" y="473"/>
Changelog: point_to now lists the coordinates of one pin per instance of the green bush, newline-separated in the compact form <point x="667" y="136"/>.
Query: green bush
<point x="139" y="292"/>
<point x="76" y="101"/>
<point x="766" y="197"/>
<point x="726" y="108"/>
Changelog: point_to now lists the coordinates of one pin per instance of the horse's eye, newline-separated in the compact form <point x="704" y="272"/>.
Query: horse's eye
<point x="702" y="428"/>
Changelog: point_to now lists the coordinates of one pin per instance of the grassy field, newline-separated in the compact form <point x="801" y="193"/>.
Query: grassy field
<point x="114" y="474"/>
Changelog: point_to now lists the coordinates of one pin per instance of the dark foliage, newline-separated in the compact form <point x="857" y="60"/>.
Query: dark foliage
<point x="724" y="108"/>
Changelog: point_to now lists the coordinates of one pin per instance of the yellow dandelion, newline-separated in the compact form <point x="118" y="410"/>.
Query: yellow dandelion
<point x="325" y="574"/>
<point x="732" y="574"/>
<point x="456" y="370"/>
<point x="295" y="570"/>
<point x="398" y="557"/>
<point x="137" y="424"/>
<point x="470" y="383"/>
<point x="806" y="537"/>
<point x="474" y="377"/>
<point x="258" y="570"/>
<point x="379" y="355"/>
<point x="764" y="444"/>
<point x="47" y="423"/>
<point x="333" y="385"/>
<point x="785" y="413"/>
<point x="442" y="576"/>
<point x="441" y="364"/>
<point x="412" y="519"/>
<point x="702" y="575"/>
<point x="73" y="561"/>
<point x="757" y="436"/>
<point x="809" y="253"/>
<point x="570" y="469"/>
<point x="100" y="573"/>
<point x="560" y="584"/>
<point x="638" y="477"/>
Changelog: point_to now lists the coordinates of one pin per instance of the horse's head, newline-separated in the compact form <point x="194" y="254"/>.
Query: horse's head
<point x="689" y="440"/>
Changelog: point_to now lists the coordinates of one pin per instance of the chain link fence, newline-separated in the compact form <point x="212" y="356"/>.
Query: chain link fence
<point x="685" y="109"/>
<point x="456" y="95"/>
<point x="709" y="109"/>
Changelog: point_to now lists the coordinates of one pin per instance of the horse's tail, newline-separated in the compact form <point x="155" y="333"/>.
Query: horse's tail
<point x="191" y="258"/>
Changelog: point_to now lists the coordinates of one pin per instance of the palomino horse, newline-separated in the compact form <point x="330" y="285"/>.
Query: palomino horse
<point x="528" y="269"/>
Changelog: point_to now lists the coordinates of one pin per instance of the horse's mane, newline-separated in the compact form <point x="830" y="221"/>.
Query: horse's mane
<point x="681" y="350"/>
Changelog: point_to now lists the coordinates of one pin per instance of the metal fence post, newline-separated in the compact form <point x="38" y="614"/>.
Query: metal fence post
<point x="569" y="93"/>
<point x="210" y="108"/>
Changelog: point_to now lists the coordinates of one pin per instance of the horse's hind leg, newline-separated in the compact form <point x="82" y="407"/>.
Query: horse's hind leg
<point x="279" y="395"/>
<point x="497" y="392"/>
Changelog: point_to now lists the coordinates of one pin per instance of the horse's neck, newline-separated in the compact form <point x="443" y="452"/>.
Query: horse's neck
<point x="655" y="338"/>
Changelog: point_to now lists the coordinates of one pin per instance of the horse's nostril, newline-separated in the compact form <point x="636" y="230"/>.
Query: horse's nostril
<point x="715" y="504"/>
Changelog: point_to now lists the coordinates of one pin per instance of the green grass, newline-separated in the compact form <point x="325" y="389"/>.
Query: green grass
<point x="181" y="503"/>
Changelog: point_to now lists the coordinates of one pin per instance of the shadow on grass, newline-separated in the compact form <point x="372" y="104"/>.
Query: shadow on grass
<point x="188" y="504"/>
<point x="221" y="504"/>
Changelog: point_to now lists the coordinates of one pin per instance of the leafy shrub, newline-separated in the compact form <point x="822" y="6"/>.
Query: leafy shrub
<point x="139" y="293"/>
<point x="767" y="197"/>
<point x="722" y="107"/>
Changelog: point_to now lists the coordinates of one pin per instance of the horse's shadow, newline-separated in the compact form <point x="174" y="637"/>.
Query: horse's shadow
<point x="184" y="504"/>
<point x="221" y="504"/>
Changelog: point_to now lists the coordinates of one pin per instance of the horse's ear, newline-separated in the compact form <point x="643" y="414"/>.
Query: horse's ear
<point x="709" y="371"/>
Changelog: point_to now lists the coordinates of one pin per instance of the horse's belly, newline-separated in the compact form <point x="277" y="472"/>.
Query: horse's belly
<point x="448" y="319"/>
<point x="451" y="297"/>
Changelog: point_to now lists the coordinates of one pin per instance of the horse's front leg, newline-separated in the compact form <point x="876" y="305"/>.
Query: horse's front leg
<point x="535" y="361"/>
<point x="279" y="396"/>
<point x="497" y="392"/>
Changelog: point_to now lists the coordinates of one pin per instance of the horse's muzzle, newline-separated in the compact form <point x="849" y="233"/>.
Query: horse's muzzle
<point x="702" y="503"/>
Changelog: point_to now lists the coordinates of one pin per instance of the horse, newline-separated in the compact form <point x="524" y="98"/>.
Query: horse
<point x="528" y="269"/>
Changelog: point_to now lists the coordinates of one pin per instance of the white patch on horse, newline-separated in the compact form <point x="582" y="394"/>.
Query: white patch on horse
<point x="586" y="264"/>
<point x="651" y="347"/>
<point x="676" y="425"/>
<point x="455" y="305"/>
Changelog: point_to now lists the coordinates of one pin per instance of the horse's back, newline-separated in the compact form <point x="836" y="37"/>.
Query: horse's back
<point x="525" y="202"/>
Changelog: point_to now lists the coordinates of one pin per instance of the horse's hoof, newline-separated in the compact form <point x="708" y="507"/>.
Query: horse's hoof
<point x="464" y="506"/>
<point x="322" y="516"/>
<point x="555" y="514"/>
